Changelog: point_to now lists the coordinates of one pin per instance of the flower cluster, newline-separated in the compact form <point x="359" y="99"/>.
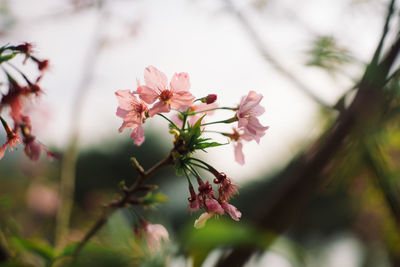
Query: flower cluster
<point x="155" y="90"/>
<point x="15" y="100"/>
<point x="187" y="123"/>
<point x="212" y="205"/>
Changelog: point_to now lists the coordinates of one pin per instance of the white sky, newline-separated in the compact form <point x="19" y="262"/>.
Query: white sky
<point x="205" y="40"/>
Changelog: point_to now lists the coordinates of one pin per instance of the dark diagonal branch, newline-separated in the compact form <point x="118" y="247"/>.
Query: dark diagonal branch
<point x="310" y="170"/>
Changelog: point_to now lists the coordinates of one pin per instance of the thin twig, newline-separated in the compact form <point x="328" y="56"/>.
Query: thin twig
<point x="121" y="203"/>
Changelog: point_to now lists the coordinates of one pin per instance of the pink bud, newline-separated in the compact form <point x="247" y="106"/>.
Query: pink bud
<point x="43" y="64"/>
<point x="211" y="98"/>
<point x="25" y="48"/>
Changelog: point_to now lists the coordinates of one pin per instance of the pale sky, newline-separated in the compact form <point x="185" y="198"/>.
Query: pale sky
<point x="204" y="39"/>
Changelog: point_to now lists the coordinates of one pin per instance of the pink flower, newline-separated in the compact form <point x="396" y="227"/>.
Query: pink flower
<point x="155" y="234"/>
<point x="226" y="189"/>
<point x="133" y="113"/>
<point x="177" y="96"/>
<point x="43" y="199"/>
<point x="237" y="137"/>
<point x="137" y="131"/>
<point x="32" y="147"/>
<point x="130" y="109"/>
<point x="249" y="110"/>
<point x="213" y="206"/>
<point x="232" y="211"/>
<point x="194" y="203"/>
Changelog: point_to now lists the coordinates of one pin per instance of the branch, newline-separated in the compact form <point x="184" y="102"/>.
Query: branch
<point x="121" y="203"/>
<point x="311" y="168"/>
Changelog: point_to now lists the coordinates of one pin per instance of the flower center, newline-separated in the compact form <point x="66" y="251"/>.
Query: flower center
<point x="165" y="95"/>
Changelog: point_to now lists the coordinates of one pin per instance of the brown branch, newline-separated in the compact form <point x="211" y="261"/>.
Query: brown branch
<point x="121" y="203"/>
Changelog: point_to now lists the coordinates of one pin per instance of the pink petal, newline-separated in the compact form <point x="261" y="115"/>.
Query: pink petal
<point x="3" y="150"/>
<point x="121" y="112"/>
<point x="128" y="124"/>
<point x="180" y="82"/>
<point x="242" y="122"/>
<point x="159" y="107"/>
<point x="239" y="156"/>
<point x="147" y="94"/>
<point x="177" y="120"/>
<point x="32" y="150"/>
<point x="232" y="211"/>
<point x="138" y="135"/>
<point x="203" y="106"/>
<point x="155" y="79"/>
<point x="126" y="99"/>
<point x="214" y="206"/>
<point x="201" y="221"/>
<point x="155" y="234"/>
<point x="250" y="101"/>
<point x="181" y="99"/>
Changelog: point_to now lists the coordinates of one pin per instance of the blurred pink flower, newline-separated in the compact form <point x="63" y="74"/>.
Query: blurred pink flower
<point x="249" y="110"/>
<point x="177" y="96"/>
<point x="155" y="234"/>
<point x="42" y="199"/>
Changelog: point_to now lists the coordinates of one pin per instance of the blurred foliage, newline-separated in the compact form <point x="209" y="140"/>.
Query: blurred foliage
<point x="327" y="54"/>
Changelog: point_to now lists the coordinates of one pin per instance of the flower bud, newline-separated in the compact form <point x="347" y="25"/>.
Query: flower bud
<point x="211" y="98"/>
<point x="25" y="48"/>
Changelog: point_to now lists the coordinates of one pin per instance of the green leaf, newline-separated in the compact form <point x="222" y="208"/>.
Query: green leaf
<point x="199" y="242"/>
<point x="7" y="57"/>
<point x="206" y="145"/>
<point x="154" y="198"/>
<point x="37" y="247"/>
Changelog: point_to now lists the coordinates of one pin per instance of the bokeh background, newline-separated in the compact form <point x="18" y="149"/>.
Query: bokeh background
<point x="303" y="56"/>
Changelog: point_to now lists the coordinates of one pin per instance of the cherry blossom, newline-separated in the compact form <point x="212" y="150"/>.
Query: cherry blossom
<point x="248" y="111"/>
<point x="176" y="96"/>
<point x="133" y="112"/>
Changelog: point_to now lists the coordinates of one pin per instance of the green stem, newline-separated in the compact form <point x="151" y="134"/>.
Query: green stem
<point x="193" y="171"/>
<point x="205" y="164"/>
<point x="198" y="165"/>
<point x="184" y="121"/>
<point x="233" y="119"/>
<point x="172" y="123"/>
<point x="211" y="109"/>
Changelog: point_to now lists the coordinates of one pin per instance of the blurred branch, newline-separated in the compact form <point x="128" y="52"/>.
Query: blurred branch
<point x="68" y="166"/>
<point x="377" y="163"/>
<point x="308" y="171"/>
<point x="385" y="30"/>
<point x="272" y="60"/>
<point x="121" y="203"/>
